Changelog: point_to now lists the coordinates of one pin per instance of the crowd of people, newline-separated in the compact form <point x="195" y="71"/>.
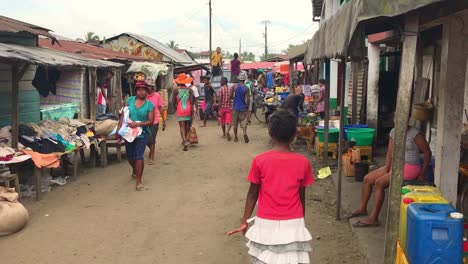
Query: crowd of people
<point x="278" y="178"/>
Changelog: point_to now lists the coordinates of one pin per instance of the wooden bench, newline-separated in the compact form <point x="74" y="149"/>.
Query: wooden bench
<point x="113" y="143"/>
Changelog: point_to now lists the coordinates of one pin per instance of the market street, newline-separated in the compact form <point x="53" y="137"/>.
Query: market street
<point x="191" y="199"/>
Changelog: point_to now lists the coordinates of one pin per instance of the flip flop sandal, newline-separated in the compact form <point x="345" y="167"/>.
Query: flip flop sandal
<point x="236" y="140"/>
<point x="133" y="176"/>
<point x="186" y="145"/>
<point x="140" y="187"/>
<point x="246" y="139"/>
<point x="354" y="215"/>
<point x="229" y="138"/>
<point x="151" y="162"/>
<point x="360" y="224"/>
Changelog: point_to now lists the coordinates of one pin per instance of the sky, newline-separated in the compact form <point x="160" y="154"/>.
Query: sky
<point x="184" y="21"/>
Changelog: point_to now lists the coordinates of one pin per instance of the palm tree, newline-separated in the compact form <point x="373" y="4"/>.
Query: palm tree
<point x="173" y="45"/>
<point x="90" y="37"/>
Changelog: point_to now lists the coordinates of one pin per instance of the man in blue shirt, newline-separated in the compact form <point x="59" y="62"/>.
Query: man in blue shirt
<point x="241" y="100"/>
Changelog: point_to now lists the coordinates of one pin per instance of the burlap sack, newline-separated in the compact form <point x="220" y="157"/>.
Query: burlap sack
<point x="104" y="128"/>
<point x="13" y="215"/>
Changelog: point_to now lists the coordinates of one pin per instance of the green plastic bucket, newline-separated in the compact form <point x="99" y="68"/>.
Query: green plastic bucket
<point x="333" y="134"/>
<point x="362" y="136"/>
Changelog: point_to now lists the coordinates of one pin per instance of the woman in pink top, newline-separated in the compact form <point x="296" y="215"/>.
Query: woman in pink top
<point x="278" y="179"/>
<point x="158" y="103"/>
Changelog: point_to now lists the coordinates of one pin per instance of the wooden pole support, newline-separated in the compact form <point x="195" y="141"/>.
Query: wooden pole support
<point x="326" y="129"/>
<point x="341" y="138"/>
<point x="408" y="60"/>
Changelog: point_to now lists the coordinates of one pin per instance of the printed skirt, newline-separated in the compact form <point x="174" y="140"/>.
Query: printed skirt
<point x="279" y="241"/>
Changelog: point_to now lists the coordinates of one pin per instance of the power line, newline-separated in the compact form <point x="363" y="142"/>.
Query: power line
<point x="185" y="21"/>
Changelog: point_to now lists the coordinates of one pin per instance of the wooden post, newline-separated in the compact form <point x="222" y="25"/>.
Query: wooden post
<point x="17" y="73"/>
<point x="92" y="93"/>
<point x="103" y="153"/>
<point x="38" y="182"/>
<point x="355" y="66"/>
<point x="14" y="103"/>
<point x="326" y="129"/>
<point x="450" y="105"/>
<point x="291" y="72"/>
<point x="341" y="140"/>
<point x="373" y="54"/>
<point x="408" y="59"/>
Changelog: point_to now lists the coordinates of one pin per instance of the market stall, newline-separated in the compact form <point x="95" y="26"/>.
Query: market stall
<point x="48" y="142"/>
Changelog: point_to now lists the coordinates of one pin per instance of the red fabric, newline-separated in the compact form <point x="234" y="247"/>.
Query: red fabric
<point x="280" y="175"/>
<point x="157" y="101"/>
<point x="225" y="97"/>
<point x="225" y="116"/>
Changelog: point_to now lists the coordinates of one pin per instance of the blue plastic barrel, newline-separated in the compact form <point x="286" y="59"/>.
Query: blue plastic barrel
<point x="352" y="126"/>
<point x="433" y="235"/>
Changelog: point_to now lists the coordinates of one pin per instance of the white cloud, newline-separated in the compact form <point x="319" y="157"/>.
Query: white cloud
<point x="186" y="21"/>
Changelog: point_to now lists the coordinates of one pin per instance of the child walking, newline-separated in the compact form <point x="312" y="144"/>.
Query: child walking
<point x="278" y="179"/>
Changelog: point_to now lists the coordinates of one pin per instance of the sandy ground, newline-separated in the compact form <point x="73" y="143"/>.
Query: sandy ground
<point x="191" y="199"/>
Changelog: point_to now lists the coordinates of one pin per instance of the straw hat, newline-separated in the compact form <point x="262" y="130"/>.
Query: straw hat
<point x="183" y="79"/>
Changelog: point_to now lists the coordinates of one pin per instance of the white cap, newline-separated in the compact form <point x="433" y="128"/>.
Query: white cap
<point x="456" y="215"/>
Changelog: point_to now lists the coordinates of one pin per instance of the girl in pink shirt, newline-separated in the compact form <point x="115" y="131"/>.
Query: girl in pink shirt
<point x="278" y="179"/>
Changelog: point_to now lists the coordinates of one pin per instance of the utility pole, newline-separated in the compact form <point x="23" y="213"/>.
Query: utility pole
<point x="240" y="47"/>
<point x="211" y="50"/>
<point x="265" y="35"/>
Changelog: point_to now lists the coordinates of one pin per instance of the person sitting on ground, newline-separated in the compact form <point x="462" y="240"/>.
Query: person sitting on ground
<point x="278" y="181"/>
<point x="241" y="100"/>
<point x="209" y="100"/>
<point x="415" y="144"/>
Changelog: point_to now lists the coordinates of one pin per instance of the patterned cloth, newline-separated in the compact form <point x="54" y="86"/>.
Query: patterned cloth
<point x="225" y="97"/>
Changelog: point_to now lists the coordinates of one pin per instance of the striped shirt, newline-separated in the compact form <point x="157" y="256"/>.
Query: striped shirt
<point x="225" y="97"/>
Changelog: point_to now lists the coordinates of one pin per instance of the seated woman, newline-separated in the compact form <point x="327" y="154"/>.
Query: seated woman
<point x="415" y="144"/>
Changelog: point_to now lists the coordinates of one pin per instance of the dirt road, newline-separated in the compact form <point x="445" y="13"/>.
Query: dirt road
<point x="191" y="199"/>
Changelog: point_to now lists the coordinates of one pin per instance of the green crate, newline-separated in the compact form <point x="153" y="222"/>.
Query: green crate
<point x="57" y="111"/>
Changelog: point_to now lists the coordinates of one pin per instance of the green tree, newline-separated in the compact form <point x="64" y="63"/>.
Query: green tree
<point x="248" y="56"/>
<point x="263" y="57"/>
<point x="90" y="37"/>
<point x="291" y="46"/>
<point x="172" y="44"/>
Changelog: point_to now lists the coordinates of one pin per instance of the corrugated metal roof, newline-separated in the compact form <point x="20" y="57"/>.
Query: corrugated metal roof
<point x="42" y="56"/>
<point x="317" y="8"/>
<point x="297" y="51"/>
<point x="87" y="50"/>
<point x="11" y="25"/>
<point x="340" y="35"/>
<point x="158" y="46"/>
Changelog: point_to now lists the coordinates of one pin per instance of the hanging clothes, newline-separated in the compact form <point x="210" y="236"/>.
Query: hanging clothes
<point x="45" y="80"/>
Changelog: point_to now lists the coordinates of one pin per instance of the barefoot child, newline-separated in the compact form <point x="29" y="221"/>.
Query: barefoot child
<point x="278" y="179"/>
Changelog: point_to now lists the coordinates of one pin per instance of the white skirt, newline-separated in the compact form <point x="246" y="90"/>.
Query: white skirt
<point x="279" y="241"/>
